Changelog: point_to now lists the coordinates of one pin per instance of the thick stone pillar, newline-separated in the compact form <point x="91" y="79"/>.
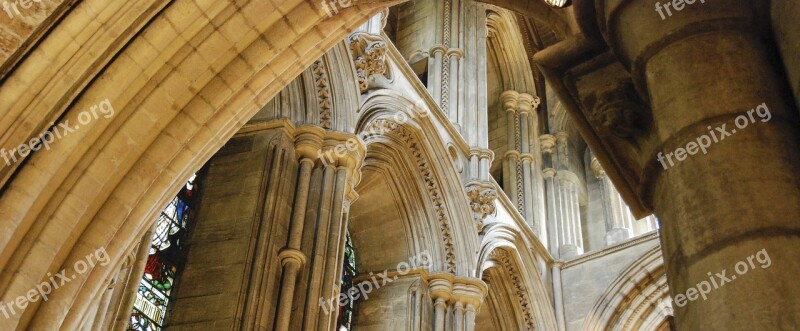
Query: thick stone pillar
<point x="709" y="70"/>
<point x="340" y="173"/>
<point x="283" y="243"/>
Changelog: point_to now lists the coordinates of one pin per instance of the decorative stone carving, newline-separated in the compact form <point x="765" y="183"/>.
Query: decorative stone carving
<point x="519" y="285"/>
<point x="323" y="84"/>
<point x="369" y="57"/>
<point x="597" y="169"/>
<point x="616" y="109"/>
<point x="481" y="200"/>
<point x="548" y="142"/>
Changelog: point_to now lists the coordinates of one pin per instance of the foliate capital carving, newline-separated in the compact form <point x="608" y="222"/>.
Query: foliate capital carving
<point x="369" y="57"/>
<point x="481" y="200"/>
<point x="616" y="109"/>
<point x="548" y="142"/>
<point x="549" y="172"/>
<point x="597" y="169"/>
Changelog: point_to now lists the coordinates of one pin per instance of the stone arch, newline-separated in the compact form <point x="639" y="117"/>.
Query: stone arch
<point x="508" y="268"/>
<point x="507" y="48"/>
<point x="182" y="77"/>
<point x="638" y="299"/>
<point x="561" y="20"/>
<point x="393" y="124"/>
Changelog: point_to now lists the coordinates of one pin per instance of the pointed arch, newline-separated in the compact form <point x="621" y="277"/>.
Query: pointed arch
<point x="638" y="299"/>
<point x="182" y="76"/>
<point x="393" y="123"/>
<point x="508" y="268"/>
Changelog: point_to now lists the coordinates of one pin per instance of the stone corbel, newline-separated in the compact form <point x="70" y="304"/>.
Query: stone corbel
<point x="482" y="198"/>
<point x="617" y="110"/>
<point x="369" y="58"/>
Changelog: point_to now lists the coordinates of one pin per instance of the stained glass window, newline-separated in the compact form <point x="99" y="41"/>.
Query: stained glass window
<point x="348" y="273"/>
<point x="167" y="254"/>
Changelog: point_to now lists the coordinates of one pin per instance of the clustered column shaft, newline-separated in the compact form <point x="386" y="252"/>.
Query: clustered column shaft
<point x="456" y="301"/>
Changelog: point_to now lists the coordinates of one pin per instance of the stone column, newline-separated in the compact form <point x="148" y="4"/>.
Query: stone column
<point x="468" y="295"/>
<point x="709" y="65"/>
<point x="441" y="292"/>
<point x="341" y="174"/>
<point x="132" y="287"/>
<point x="617" y="228"/>
<point x="566" y="194"/>
<point x="558" y="296"/>
<point x="435" y="69"/>
<point x="521" y="173"/>
<point x="548" y="143"/>
<point x="458" y="297"/>
<point x="455" y="57"/>
<point x="102" y="309"/>
<point x="480" y="191"/>
<point x="307" y="143"/>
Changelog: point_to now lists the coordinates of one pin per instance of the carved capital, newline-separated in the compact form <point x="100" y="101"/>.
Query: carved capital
<point x="481" y="200"/>
<point x="509" y="99"/>
<point x="548" y="142"/>
<point x="440" y="49"/>
<point x="441" y="286"/>
<point x="308" y="141"/>
<point x="527" y="103"/>
<point x="616" y="109"/>
<point x="369" y="57"/>
<point x="469" y="292"/>
<point x="455" y="52"/>
<point x="597" y="168"/>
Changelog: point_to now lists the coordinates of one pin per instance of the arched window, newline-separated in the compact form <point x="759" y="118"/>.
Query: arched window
<point x="348" y="273"/>
<point x="166" y="259"/>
